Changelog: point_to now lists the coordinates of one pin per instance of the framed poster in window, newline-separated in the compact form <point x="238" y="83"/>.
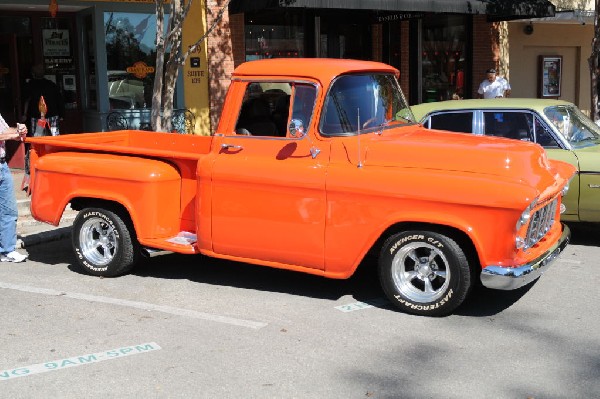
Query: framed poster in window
<point x="550" y="76"/>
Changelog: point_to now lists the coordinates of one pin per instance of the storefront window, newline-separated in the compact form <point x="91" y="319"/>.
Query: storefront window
<point x="59" y="59"/>
<point x="443" y="57"/>
<point x="274" y="37"/>
<point x="130" y="58"/>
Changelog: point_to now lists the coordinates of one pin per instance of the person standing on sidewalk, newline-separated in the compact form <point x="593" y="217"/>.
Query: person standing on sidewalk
<point x="8" y="203"/>
<point x="493" y="86"/>
<point x="54" y="108"/>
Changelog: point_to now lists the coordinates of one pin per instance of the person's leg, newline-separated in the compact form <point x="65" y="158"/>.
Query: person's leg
<point x="8" y="211"/>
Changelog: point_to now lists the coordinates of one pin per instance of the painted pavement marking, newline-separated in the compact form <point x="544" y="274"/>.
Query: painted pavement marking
<point x="76" y="361"/>
<point x="139" y="305"/>
<point x="351" y="307"/>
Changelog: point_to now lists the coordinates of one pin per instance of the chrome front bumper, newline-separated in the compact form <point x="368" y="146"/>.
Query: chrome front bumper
<point x="510" y="278"/>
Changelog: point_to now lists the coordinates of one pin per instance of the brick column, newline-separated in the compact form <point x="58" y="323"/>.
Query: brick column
<point x="238" y="38"/>
<point x="220" y="58"/>
<point x="404" y="54"/>
<point x="376" y="42"/>
<point x="486" y="49"/>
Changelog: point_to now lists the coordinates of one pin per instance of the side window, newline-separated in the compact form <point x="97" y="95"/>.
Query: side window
<point x="510" y="124"/>
<point x="543" y="136"/>
<point x="454" y="121"/>
<point x="265" y="105"/>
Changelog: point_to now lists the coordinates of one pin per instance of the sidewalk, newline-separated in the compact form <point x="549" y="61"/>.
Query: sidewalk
<point x="30" y="231"/>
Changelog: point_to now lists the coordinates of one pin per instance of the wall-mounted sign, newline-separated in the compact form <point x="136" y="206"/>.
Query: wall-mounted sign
<point x="56" y="42"/>
<point x="140" y="69"/>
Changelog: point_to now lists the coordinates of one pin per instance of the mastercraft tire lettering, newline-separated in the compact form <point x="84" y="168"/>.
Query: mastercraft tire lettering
<point x="424" y="273"/>
<point x="103" y="243"/>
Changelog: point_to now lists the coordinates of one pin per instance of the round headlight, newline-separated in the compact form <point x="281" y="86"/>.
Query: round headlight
<point x="524" y="218"/>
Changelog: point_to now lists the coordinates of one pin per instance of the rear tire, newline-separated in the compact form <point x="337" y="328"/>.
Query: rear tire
<point x="424" y="273"/>
<point x="103" y="243"/>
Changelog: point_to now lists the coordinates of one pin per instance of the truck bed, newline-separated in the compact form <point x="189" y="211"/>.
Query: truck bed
<point x="133" y="142"/>
<point x="112" y="148"/>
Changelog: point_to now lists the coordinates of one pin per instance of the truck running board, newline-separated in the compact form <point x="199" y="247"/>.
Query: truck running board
<point x="184" y="243"/>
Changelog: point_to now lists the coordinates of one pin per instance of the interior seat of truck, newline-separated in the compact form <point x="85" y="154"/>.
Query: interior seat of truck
<point x="255" y="117"/>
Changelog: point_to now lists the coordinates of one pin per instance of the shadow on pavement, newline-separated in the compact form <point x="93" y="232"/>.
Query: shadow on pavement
<point x="585" y="234"/>
<point x="363" y="286"/>
<point x="52" y="252"/>
<point x="485" y="302"/>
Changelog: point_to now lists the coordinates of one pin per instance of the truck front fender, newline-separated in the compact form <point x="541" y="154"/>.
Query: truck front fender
<point x="149" y="189"/>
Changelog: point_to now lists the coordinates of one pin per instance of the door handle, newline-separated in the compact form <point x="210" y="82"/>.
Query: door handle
<point x="231" y="146"/>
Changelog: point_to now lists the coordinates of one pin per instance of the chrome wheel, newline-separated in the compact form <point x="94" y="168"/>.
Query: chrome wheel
<point x="98" y="241"/>
<point x="421" y="272"/>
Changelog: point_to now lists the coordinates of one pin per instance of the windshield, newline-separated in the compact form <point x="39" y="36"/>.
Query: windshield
<point x="357" y="103"/>
<point x="573" y="125"/>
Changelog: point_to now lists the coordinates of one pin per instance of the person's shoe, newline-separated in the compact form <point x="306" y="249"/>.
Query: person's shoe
<point x="13" y="256"/>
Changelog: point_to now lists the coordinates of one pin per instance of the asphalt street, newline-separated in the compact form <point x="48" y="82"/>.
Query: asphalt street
<point x="192" y="327"/>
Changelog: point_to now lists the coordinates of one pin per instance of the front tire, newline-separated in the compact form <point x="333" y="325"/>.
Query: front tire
<point x="103" y="243"/>
<point x="424" y="273"/>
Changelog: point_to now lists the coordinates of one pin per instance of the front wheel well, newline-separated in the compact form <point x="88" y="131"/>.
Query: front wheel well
<point x="461" y="238"/>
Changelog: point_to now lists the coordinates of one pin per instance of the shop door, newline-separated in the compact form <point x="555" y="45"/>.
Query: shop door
<point x="10" y="96"/>
<point x="347" y="37"/>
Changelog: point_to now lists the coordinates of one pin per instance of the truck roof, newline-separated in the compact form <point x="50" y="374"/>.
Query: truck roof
<point x="322" y="69"/>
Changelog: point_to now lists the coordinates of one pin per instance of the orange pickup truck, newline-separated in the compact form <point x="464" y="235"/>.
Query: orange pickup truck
<point x="315" y="164"/>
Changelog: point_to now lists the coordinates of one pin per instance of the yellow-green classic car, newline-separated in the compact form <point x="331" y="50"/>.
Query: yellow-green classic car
<point x="559" y="126"/>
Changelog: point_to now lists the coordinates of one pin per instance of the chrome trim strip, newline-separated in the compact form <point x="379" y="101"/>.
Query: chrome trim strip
<point x="510" y="278"/>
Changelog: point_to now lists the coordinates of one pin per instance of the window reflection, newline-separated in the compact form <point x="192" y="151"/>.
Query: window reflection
<point x="267" y="37"/>
<point x="130" y="58"/>
<point x="573" y="125"/>
<point x="364" y="102"/>
<point x="443" y="57"/>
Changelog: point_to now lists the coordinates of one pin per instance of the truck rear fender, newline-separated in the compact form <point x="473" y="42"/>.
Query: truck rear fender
<point x="148" y="189"/>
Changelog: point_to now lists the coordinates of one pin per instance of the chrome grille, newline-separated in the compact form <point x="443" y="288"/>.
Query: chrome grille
<point x="540" y="223"/>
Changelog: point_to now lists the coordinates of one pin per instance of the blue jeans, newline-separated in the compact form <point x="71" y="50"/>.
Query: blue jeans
<point x="8" y="211"/>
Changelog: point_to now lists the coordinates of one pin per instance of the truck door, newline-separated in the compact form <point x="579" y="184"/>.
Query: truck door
<point x="268" y="191"/>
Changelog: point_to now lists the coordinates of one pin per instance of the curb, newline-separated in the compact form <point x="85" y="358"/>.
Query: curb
<point x="31" y="240"/>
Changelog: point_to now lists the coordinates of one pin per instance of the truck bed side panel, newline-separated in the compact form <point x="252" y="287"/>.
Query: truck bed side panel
<point x="149" y="189"/>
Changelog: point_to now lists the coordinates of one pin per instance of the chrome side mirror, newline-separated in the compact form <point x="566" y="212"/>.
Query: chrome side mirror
<point x="296" y="128"/>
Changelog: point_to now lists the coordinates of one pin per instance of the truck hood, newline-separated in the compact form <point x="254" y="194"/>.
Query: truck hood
<point x="436" y="150"/>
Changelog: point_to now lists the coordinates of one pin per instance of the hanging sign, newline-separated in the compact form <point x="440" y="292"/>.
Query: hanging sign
<point x="53" y="8"/>
<point x="140" y="69"/>
<point x="56" y="42"/>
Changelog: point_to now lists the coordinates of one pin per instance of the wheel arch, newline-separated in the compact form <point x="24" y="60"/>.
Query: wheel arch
<point x="462" y="239"/>
<point x="80" y="203"/>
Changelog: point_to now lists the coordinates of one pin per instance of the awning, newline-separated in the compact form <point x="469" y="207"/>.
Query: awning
<point x="495" y="9"/>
